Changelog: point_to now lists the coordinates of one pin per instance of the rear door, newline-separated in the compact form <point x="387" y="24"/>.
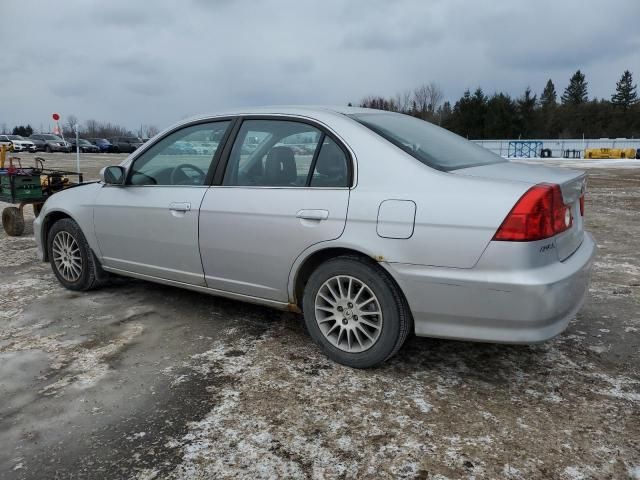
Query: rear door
<point x="285" y="188"/>
<point x="149" y="226"/>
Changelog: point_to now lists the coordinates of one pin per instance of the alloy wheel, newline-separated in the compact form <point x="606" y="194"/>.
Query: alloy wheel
<point x="348" y="314"/>
<point x="67" y="257"/>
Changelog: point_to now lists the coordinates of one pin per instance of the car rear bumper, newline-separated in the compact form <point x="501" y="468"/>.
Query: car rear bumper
<point x="480" y="304"/>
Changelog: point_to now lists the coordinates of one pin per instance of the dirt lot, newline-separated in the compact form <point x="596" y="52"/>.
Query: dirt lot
<point x="145" y="381"/>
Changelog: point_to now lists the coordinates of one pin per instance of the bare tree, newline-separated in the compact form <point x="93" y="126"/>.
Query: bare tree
<point x="428" y="98"/>
<point x="148" y="131"/>
<point x="403" y="101"/>
<point x="91" y="128"/>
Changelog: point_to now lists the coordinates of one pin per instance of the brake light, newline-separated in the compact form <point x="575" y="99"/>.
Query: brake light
<point x="540" y="213"/>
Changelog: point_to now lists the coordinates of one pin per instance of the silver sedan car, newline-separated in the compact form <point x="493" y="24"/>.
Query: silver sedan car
<point x="372" y="224"/>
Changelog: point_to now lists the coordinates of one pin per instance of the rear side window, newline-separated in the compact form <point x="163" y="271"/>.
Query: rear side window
<point x="272" y="153"/>
<point x="285" y="153"/>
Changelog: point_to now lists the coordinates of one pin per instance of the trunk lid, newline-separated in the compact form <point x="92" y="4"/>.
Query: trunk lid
<point x="572" y="184"/>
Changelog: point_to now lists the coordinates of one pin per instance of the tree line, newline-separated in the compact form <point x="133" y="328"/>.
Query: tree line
<point x="89" y="129"/>
<point x="477" y="115"/>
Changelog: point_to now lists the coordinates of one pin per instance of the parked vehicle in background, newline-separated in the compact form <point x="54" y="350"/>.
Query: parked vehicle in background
<point x="126" y="144"/>
<point x="48" y="142"/>
<point x="104" y="145"/>
<point x="19" y="143"/>
<point x="391" y="225"/>
<point x="85" y="146"/>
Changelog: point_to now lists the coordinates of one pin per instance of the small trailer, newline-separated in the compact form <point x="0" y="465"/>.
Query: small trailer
<point x="24" y="186"/>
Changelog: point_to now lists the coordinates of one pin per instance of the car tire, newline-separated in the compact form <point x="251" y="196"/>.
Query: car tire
<point x="47" y="149"/>
<point x="72" y="260"/>
<point x="13" y="221"/>
<point x="339" y="302"/>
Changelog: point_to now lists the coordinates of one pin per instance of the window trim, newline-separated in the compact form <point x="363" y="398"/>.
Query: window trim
<point x="240" y="119"/>
<point x="216" y="156"/>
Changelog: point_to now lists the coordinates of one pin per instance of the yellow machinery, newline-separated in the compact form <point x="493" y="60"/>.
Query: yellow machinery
<point x="3" y="154"/>
<point x="610" y="153"/>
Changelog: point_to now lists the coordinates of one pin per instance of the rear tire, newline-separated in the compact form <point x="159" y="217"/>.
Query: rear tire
<point x="13" y="221"/>
<point x="339" y="304"/>
<point x="72" y="260"/>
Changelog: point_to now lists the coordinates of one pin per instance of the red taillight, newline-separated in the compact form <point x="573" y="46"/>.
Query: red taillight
<point x="540" y="213"/>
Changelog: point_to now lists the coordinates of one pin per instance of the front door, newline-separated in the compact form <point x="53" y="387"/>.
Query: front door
<point x="149" y="225"/>
<point x="285" y="188"/>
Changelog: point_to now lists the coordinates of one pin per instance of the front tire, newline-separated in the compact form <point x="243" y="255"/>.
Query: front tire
<point x="355" y="312"/>
<point x="72" y="260"/>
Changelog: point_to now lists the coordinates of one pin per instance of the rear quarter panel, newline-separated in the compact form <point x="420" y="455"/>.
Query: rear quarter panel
<point x="456" y="216"/>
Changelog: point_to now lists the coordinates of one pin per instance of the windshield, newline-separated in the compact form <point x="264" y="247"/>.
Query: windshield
<point x="83" y="142"/>
<point x="133" y="140"/>
<point x="14" y="137"/>
<point x="432" y="145"/>
<point x="51" y="137"/>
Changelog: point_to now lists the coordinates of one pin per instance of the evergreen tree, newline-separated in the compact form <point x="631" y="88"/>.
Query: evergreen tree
<point x="576" y="91"/>
<point x="23" y="131"/>
<point x="500" y="118"/>
<point x="549" y="97"/>
<point x="444" y="112"/>
<point x="526" y="113"/>
<point x="625" y="95"/>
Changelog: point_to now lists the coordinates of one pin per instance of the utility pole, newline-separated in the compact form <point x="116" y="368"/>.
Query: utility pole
<point x="76" y="128"/>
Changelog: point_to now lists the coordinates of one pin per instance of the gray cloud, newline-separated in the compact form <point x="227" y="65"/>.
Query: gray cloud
<point x="67" y="90"/>
<point x="396" y="39"/>
<point x="140" y="62"/>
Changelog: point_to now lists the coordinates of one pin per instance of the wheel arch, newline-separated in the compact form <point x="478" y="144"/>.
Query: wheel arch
<point x="47" y="222"/>
<point x="304" y="267"/>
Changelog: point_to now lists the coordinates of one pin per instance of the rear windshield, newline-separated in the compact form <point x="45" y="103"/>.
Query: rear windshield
<point x="432" y="145"/>
<point x="51" y="137"/>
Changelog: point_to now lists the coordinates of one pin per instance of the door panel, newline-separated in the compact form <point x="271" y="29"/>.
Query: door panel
<point x="152" y="230"/>
<point x="150" y="225"/>
<point x="250" y="237"/>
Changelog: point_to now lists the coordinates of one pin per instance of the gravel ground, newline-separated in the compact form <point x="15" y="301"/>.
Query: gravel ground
<point x="146" y="381"/>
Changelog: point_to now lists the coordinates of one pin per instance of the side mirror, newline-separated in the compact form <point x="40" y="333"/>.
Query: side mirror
<point x="113" y="175"/>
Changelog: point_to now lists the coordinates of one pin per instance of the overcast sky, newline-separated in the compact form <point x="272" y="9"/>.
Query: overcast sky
<point x="155" y="62"/>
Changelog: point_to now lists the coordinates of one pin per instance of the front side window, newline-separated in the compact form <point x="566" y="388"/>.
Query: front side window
<point x="182" y="158"/>
<point x="431" y="145"/>
<point x="280" y="153"/>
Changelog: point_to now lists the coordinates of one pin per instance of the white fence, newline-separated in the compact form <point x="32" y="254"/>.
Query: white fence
<point x="501" y="147"/>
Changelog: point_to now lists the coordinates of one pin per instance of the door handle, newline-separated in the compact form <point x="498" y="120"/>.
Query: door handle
<point x="180" y="206"/>
<point x="313" y="214"/>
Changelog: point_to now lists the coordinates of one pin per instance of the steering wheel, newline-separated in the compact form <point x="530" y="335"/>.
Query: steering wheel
<point x="187" y="180"/>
